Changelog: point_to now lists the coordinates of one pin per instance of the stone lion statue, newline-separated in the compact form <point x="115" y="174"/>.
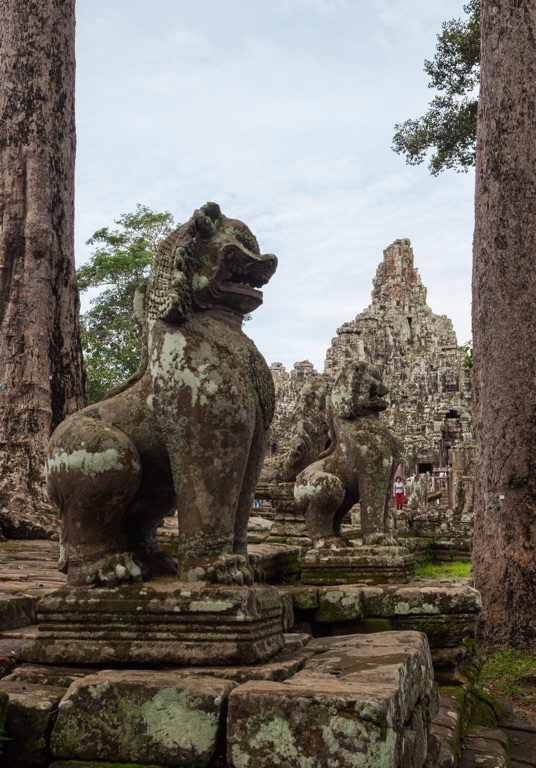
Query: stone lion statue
<point x="358" y="466"/>
<point x="186" y="431"/>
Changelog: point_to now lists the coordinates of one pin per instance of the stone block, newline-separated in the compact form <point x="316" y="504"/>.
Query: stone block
<point x="340" y="605"/>
<point x="361" y="702"/>
<point x="363" y="564"/>
<point x="144" y="717"/>
<point x="445" y="609"/>
<point x="442" y="631"/>
<point x="423" y="597"/>
<point x="287" y="611"/>
<point x="30" y="713"/>
<point x="158" y="623"/>
<point x="447" y="726"/>
<point x="303" y="597"/>
<point x="280" y="562"/>
<point x="485" y="748"/>
<point x="16" y="611"/>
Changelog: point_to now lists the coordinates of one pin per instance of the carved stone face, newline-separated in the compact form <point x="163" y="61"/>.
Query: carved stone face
<point x="231" y="270"/>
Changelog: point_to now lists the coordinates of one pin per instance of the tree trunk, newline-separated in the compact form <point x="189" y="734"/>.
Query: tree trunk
<point x="41" y="367"/>
<point x="504" y="300"/>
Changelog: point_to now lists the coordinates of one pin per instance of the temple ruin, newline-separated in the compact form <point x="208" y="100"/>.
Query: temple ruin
<point x="423" y="367"/>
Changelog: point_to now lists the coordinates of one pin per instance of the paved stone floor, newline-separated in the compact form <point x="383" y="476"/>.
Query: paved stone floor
<point x="29" y="568"/>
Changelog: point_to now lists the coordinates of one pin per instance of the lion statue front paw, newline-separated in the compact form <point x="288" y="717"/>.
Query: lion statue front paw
<point x="109" y="571"/>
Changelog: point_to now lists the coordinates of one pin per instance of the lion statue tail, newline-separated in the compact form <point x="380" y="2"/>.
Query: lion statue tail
<point x="140" y="315"/>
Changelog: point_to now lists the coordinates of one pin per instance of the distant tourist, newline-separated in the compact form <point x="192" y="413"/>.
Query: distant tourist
<point x="399" y="492"/>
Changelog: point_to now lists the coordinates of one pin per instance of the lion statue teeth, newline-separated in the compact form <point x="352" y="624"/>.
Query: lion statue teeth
<point x="186" y="431"/>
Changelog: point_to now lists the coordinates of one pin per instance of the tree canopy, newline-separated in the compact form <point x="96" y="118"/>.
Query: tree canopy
<point x="119" y="264"/>
<point x="449" y="126"/>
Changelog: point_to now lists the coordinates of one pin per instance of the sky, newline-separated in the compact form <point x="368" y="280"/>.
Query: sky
<point x="283" y="112"/>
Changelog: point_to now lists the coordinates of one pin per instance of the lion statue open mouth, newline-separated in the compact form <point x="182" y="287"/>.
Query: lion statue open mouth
<point x="186" y="431"/>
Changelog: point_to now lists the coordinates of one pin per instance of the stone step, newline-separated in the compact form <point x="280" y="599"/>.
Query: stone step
<point x="521" y="742"/>
<point x="485" y="748"/>
<point x="447" y="728"/>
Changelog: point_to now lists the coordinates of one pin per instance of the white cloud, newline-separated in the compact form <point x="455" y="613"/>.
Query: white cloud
<point x="282" y="112"/>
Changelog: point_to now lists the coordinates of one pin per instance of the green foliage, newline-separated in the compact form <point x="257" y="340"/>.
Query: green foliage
<point x="510" y="674"/>
<point x="468" y="354"/>
<point x="454" y="570"/>
<point x="119" y="264"/>
<point x="449" y="126"/>
<point x="514" y="480"/>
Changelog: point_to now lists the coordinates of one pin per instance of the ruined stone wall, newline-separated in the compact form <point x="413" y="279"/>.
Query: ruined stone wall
<point x="287" y="389"/>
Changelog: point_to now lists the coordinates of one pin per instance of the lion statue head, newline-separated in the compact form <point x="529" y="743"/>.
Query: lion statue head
<point x="208" y="263"/>
<point x="358" y="391"/>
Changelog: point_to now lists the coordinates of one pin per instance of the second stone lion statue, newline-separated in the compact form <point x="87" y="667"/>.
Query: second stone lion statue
<point x="358" y="466"/>
<point x="187" y="431"/>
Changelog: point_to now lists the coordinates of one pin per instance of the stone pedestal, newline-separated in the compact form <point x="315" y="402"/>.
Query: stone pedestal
<point x="289" y="524"/>
<point x="364" y="564"/>
<point x="158" y="623"/>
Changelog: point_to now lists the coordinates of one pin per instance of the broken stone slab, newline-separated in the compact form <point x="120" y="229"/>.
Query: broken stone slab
<point x="289" y="661"/>
<point x="189" y="623"/>
<point x="362" y="701"/>
<point x="363" y="564"/>
<point x="31" y="710"/>
<point x="42" y="674"/>
<point x="140" y="716"/>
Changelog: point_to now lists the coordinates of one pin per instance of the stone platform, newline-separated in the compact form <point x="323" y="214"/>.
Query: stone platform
<point x="360" y="564"/>
<point x="158" y="623"/>
<point x="346" y="701"/>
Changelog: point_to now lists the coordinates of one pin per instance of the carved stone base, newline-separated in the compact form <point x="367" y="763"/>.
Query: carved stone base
<point x="194" y="624"/>
<point x="352" y="565"/>
<point x="289" y="526"/>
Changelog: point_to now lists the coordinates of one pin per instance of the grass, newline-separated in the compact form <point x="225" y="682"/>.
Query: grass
<point x="510" y="675"/>
<point x="455" y="570"/>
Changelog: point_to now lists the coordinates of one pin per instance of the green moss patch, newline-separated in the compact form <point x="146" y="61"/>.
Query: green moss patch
<point x="455" y="570"/>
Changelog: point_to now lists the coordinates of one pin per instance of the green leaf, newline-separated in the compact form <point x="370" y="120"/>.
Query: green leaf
<point x="120" y="262"/>
<point x="449" y="125"/>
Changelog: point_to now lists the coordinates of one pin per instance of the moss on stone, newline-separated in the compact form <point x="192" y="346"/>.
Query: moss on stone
<point x="487" y="710"/>
<point x="370" y="625"/>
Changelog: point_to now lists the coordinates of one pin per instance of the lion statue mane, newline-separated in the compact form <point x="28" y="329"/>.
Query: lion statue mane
<point x="187" y="431"/>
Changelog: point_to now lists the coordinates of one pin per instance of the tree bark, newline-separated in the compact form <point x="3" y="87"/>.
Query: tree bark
<point x="41" y="368"/>
<point x="504" y="299"/>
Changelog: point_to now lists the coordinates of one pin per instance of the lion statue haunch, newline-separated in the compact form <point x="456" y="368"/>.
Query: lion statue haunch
<point x="358" y="466"/>
<point x="186" y="431"/>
